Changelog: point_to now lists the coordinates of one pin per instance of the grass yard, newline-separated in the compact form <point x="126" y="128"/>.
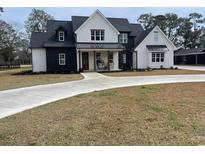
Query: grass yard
<point x="17" y="78"/>
<point x="153" y="72"/>
<point x="168" y="114"/>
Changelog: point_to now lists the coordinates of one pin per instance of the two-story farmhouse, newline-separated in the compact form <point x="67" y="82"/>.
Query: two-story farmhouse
<point x="99" y="43"/>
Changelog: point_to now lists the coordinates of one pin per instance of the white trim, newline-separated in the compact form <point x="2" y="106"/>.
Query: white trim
<point x="91" y="16"/>
<point x="63" y="36"/>
<point x="63" y="60"/>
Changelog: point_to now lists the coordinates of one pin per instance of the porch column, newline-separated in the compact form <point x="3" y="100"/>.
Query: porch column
<point x="79" y="60"/>
<point x="108" y="52"/>
<point x="94" y="60"/>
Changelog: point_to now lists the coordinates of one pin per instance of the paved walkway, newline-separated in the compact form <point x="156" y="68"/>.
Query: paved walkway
<point x="17" y="100"/>
<point x="189" y="67"/>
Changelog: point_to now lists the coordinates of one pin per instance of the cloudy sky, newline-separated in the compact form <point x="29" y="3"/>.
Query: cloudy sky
<point x="19" y="15"/>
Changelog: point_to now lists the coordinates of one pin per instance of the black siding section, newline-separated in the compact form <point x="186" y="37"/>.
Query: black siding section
<point x="53" y="61"/>
<point x="129" y="50"/>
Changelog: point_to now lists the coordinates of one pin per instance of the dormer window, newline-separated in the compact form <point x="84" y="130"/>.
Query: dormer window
<point x="61" y="35"/>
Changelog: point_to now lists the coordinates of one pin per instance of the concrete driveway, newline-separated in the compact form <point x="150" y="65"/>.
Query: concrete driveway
<point x="17" y="100"/>
<point x="189" y="67"/>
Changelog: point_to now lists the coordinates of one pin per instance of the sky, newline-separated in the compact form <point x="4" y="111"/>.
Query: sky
<point x="17" y="16"/>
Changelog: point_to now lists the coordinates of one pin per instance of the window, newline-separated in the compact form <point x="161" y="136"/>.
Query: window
<point x="156" y="36"/>
<point x="61" y="57"/>
<point x="157" y="57"/>
<point x="124" y="58"/>
<point x="123" y="38"/>
<point x="97" y="35"/>
<point x="61" y="36"/>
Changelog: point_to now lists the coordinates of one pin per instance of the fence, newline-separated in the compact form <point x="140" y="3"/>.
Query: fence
<point x="11" y="66"/>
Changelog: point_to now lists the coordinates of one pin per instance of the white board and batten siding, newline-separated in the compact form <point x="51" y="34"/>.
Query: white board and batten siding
<point x="39" y="60"/>
<point x="97" y="21"/>
<point x="144" y="57"/>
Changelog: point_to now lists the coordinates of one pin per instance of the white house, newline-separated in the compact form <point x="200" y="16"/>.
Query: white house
<point x="99" y="43"/>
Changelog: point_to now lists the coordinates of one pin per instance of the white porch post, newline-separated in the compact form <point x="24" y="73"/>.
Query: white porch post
<point x="116" y="60"/>
<point x="77" y="58"/>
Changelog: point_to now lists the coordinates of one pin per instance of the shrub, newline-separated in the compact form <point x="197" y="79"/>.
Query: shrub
<point x="161" y="67"/>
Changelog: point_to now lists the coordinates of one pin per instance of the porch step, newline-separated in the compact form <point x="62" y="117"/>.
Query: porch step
<point x="93" y="75"/>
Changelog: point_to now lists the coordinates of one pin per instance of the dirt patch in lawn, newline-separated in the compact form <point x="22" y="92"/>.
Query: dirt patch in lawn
<point x="169" y="114"/>
<point x="23" y="77"/>
<point x="153" y="72"/>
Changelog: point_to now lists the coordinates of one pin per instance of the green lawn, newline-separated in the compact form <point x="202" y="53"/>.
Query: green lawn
<point x="167" y="114"/>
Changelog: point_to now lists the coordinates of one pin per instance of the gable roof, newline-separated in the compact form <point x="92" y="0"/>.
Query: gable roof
<point x="192" y="51"/>
<point x="121" y="24"/>
<point x="91" y="16"/>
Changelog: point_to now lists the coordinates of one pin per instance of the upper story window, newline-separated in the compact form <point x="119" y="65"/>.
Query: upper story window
<point x="97" y="34"/>
<point x="155" y="35"/>
<point x="61" y="36"/>
<point x="123" y="38"/>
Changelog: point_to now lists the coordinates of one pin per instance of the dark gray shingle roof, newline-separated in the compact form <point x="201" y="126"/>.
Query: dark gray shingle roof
<point x="136" y="29"/>
<point x="49" y="38"/>
<point x="38" y="39"/>
<point x="192" y="51"/>
<point x="157" y="47"/>
<point x="121" y="24"/>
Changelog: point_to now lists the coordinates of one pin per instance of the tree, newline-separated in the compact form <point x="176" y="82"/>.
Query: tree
<point x="146" y="20"/>
<point x="1" y="10"/>
<point x="8" y="41"/>
<point x="196" y="19"/>
<point x="36" y="21"/>
<point x="160" y="20"/>
<point x="185" y="31"/>
<point x="172" y="23"/>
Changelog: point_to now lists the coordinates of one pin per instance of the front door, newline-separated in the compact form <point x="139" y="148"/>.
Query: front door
<point x="85" y="61"/>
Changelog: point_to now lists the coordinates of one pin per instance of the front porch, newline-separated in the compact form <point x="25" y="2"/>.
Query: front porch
<point x="98" y="60"/>
<point x="98" y="56"/>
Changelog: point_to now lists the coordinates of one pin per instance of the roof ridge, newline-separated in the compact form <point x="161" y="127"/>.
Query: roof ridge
<point x="60" y="20"/>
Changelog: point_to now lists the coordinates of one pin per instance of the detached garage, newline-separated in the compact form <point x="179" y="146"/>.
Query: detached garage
<point x="192" y="56"/>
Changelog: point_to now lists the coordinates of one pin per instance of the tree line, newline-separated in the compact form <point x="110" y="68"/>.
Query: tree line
<point x="14" y="43"/>
<point x="187" y="32"/>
